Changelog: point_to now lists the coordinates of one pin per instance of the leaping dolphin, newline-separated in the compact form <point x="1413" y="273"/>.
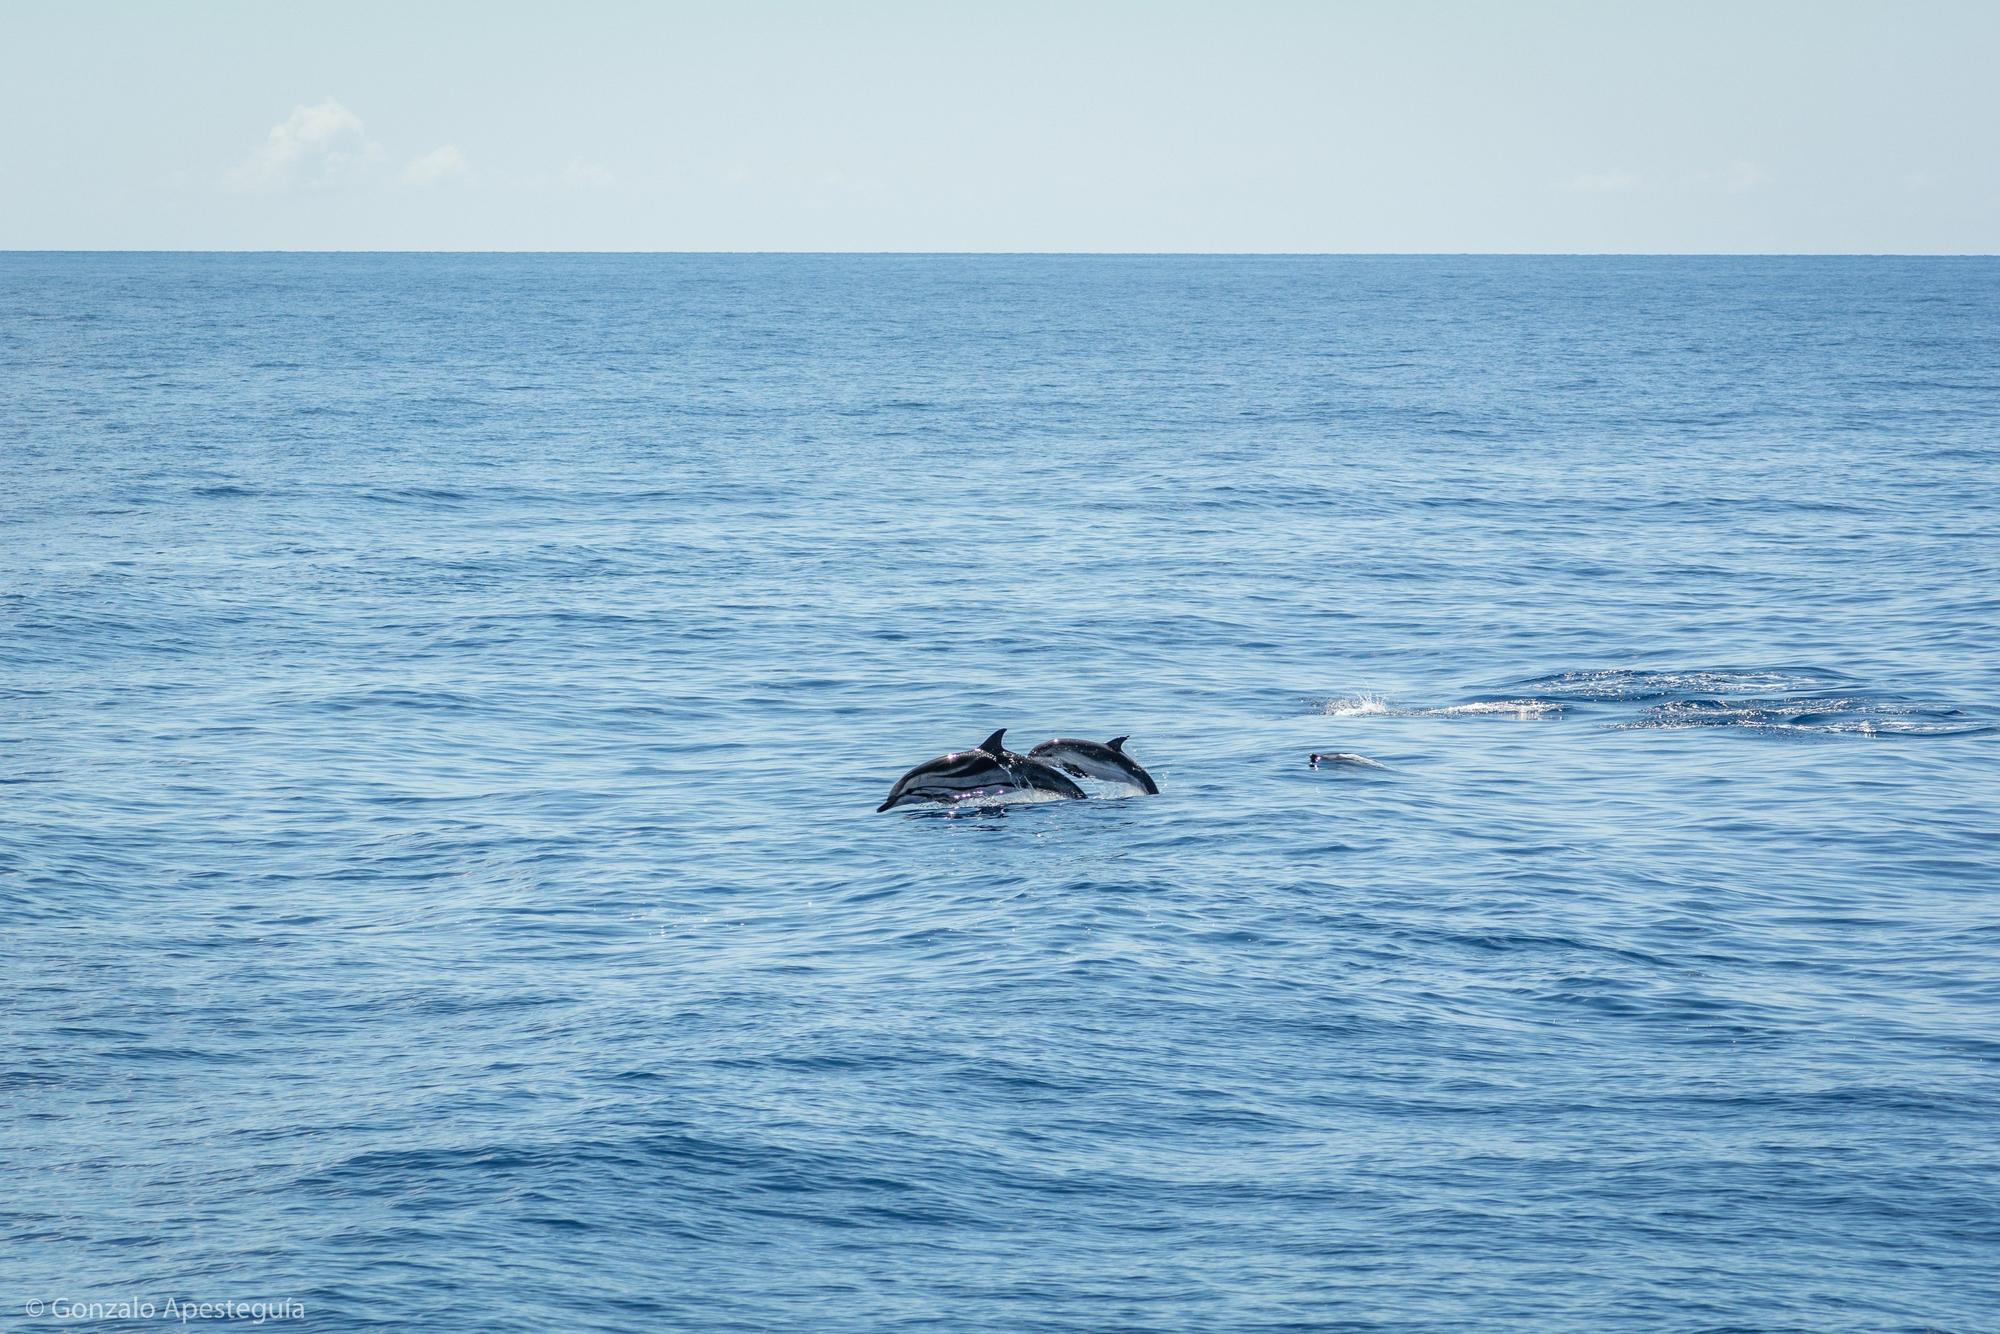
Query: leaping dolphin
<point x="989" y="770"/>
<point x="1088" y="759"/>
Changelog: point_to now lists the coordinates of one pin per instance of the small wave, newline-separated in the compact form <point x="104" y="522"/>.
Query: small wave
<point x="1631" y="685"/>
<point x="1842" y="715"/>
<point x="995" y="800"/>
<point x="394" y="697"/>
<point x="414" y="495"/>
<point x="1785" y="699"/>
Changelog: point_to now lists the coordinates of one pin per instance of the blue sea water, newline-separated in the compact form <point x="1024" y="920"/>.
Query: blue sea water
<point x="443" y="702"/>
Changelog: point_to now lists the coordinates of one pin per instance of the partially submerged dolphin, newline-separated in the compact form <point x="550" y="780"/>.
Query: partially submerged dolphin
<point x="1318" y="758"/>
<point x="1088" y="759"/>
<point x="990" y="770"/>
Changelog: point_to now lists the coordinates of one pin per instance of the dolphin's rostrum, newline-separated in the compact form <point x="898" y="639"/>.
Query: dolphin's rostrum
<point x="988" y="771"/>
<point x="1089" y="759"/>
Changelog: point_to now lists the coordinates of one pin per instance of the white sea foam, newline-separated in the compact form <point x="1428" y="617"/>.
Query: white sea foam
<point x="1374" y="706"/>
<point x="1502" y="708"/>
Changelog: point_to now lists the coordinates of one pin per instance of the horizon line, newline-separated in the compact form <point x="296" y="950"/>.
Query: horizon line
<point x="1051" y="254"/>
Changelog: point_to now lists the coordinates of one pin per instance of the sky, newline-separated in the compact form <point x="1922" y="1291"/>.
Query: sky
<point x="1255" y="126"/>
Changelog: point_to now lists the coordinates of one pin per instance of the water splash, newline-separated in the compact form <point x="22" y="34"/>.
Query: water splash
<point x="1494" y="708"/>
<point x="1353" y="706"/>
<point x="1374" y="706"/>
<point x="1777" y="700"/>
<point x="1838" y="716"/>
<point x="1626" y="685"/>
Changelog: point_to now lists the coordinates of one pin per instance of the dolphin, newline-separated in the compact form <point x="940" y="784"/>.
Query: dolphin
<point x="1088" y="759"/>
<point x="1348" y="758"/>
<point x="987" y="770"/>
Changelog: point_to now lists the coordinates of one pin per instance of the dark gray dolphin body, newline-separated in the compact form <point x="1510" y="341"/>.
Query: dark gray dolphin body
<point x="1088" y="759"/>
<point x="989" y="770"/>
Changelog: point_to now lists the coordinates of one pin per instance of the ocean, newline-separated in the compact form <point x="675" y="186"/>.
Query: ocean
<point x="444" y="701"/>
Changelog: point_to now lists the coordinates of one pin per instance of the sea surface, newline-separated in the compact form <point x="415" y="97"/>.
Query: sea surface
<point x="444" y="699"/>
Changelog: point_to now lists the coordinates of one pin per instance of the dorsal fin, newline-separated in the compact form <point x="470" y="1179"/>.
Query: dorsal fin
<point x="1117" y="743"/>
<point x="991" y="745"/>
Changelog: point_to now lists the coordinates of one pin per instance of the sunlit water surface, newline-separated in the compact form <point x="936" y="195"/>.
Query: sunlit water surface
<point x="443" y="702"/>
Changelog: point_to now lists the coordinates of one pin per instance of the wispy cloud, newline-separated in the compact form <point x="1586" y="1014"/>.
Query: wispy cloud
<point x="441" y="164"/>
<point x="326" y="144"/>
<point x="1606" y="182"/>
<point x="322" y="144"/>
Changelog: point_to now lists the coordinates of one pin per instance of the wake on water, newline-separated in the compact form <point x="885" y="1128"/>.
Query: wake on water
<point x="1780" y="700"/>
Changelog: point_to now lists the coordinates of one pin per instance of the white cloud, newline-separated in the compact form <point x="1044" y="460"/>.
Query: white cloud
<point x="440" y="164"/>
<point x="326" y="144"/>
<point x="322" y="144"/>
<point x="1606" y="182"/>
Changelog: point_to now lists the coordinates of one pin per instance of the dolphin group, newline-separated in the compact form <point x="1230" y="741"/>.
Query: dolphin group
<point x="991" y="772"/>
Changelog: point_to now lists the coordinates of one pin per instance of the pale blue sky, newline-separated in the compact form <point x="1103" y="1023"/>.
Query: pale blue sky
<point x="1789" y="127"/>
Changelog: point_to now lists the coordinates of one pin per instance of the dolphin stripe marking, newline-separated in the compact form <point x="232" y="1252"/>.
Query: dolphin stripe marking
<point x="1089" y="759"/>
<point x="991" y="769"/>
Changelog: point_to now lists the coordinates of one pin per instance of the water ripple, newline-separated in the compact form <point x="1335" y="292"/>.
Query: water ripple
<point x="443" y="702"/>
